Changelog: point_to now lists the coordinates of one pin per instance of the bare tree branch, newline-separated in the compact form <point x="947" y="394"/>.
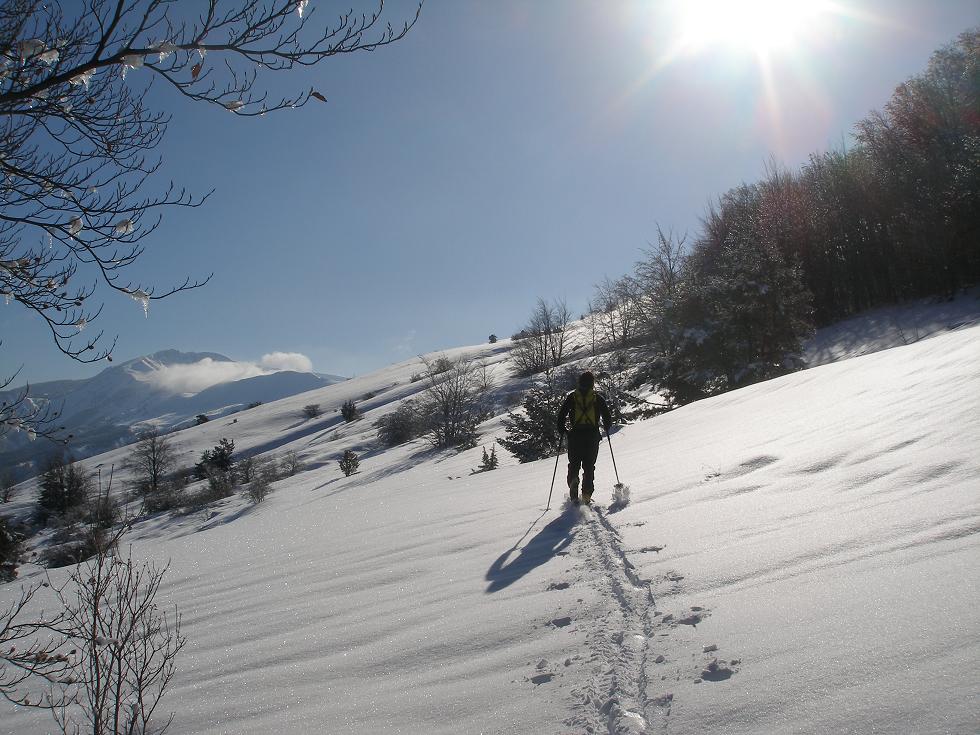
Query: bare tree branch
<point x="79" y="181"/>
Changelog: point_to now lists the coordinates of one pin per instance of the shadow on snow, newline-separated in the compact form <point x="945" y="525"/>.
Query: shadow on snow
<point x="549" y="542"/>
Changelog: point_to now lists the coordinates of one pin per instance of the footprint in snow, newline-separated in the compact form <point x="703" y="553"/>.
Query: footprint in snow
<point x="717" y="670"/>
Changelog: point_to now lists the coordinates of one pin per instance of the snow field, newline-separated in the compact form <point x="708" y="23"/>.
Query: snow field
<point x="797" y="556"/>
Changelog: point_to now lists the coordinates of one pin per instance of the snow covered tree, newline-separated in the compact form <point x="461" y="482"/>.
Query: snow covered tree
<point x="78" y="131"/>
<point x="311" y="410"/>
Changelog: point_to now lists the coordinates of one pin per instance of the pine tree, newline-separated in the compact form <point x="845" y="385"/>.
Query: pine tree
<point x="64" y="486"/>
<point x="534" y="432"/>
<point x="349" y="463"/>
<point x="489" y="461"/>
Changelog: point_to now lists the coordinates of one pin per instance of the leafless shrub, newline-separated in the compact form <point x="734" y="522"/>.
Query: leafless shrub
<point x="79" y="129"/>
<point x="542" y="344"/>
<point x="290" y="464"/>
<point x="454" y="402"/>
<point x="102" y="660"/>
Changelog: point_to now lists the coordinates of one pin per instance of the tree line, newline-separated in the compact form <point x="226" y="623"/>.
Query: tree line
<point x="893" y="217"/>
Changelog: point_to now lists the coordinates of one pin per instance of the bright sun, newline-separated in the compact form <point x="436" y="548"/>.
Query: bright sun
<point x="754" y="25"/>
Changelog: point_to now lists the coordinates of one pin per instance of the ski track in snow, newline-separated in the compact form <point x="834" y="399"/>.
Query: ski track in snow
<point x="618" y="698"/>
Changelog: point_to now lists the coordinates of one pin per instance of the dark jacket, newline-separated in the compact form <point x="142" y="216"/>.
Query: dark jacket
<point x="601" y="407"/>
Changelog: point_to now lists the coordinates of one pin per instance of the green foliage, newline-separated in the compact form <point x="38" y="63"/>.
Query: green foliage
<point x="399" y="426"/>
<point x="219" y="458"/>
<point x="488" y="462"/>
<point x="533" y="433"/>
<point x="349" y="411"/>
<point x="9" y="551"/>
<point x="216" y="466"/>
<point x="742" y="311"/>
<point x="349" y="463"/>
<point x="64" y="486"/>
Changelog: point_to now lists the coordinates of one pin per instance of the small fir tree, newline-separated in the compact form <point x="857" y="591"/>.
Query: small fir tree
<point x="349" y="411"/>
<point x="64" y="486"/>
<point x="349" y="463"/>
<point x="489" y="461"/>
<point x="534" y="433"/>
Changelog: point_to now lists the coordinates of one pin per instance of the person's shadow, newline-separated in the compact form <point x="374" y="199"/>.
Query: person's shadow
<point x="548" y="543"/>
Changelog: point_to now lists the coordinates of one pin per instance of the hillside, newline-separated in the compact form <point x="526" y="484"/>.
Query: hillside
<point x="796" y="557"/>
<point x="109" y="409"/>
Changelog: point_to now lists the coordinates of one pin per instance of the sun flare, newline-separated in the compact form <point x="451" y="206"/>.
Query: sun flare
<point x="761" y="26"/>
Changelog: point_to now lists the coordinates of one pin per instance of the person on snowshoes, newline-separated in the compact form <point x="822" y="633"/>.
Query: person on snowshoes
<point x="586" y="408"/>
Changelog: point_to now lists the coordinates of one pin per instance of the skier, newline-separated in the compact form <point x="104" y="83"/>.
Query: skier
<point x="585" y="407"/>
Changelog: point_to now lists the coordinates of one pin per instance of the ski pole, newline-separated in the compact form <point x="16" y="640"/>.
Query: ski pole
<point x="554" y="475"/>
<point x="609" y="441"/>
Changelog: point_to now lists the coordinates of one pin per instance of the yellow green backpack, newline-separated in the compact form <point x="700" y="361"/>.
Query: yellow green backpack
<point x="584" y="411"/>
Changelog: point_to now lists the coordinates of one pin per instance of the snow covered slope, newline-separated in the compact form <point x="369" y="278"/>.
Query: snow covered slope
<point x="165" y="390"/>
<point x="799" y="556"/>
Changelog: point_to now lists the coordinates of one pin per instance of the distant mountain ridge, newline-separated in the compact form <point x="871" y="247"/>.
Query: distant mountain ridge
<point x="108" y="409"/>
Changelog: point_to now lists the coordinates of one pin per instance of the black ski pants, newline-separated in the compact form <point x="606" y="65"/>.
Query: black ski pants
<point x="583" y="449"/>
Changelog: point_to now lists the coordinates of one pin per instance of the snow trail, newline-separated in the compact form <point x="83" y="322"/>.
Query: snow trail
<point x="615" y="698"/>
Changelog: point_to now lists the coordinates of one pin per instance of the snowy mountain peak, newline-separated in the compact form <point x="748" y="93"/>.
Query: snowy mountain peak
<point x="165" y="390"/>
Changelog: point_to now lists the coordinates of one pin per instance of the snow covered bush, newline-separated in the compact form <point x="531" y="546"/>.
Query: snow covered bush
<point x="311" y="410"/>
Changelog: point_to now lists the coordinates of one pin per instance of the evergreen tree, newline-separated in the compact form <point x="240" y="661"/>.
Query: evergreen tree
<point x="9" y="550"/>
<point x="349" y="411"/>
<point x="533" y="433"/>
<point x="349" y="463"/>
<point x="64" y="486"/>
<point x="490" y="461"/>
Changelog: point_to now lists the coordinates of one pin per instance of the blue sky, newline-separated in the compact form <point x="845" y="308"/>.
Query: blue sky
<point x="503" y="151"/>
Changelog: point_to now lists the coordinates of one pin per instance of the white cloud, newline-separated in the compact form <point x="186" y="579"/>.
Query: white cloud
<point x="294" y="361"/>
<point x="195" y="377"/>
